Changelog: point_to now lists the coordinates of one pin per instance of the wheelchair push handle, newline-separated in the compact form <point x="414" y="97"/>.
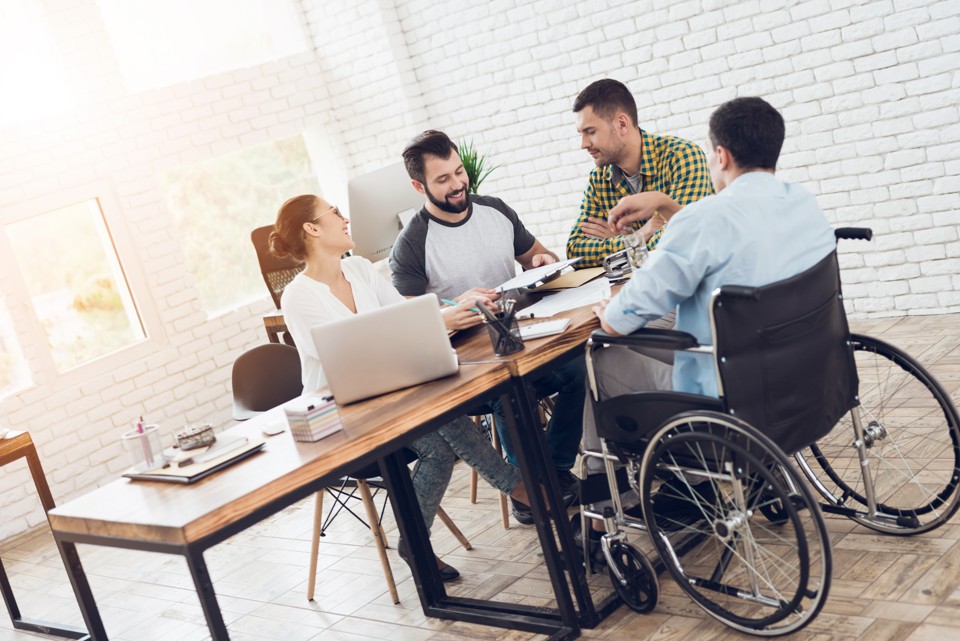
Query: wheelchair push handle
<point x="853" y="233"/>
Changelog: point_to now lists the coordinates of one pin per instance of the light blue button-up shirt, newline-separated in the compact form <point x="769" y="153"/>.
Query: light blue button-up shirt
<point x="757" y="231"/>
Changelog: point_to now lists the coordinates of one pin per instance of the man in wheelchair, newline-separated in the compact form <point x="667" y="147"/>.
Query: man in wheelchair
<point x="756" y="230"/>
<point x="764" y="366"/>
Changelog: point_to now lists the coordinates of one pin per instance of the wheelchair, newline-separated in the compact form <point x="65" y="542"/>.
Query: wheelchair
<point x="728" y="486"/>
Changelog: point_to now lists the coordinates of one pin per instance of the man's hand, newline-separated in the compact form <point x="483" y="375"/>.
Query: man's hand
<point x="539" y="260"/>
<point x="598" y="310"/>
<point x="486" y="296"/>
<point x="641" y="207"/>
<point x="461" y="317"/>
<point x="598" y="228"/>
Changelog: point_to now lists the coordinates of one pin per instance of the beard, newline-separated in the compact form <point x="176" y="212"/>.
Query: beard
<point x="446" y="205"/>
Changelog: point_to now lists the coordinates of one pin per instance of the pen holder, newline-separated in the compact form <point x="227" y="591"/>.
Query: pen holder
<point x="144" y="448"/>
<point x="504" y="334"/>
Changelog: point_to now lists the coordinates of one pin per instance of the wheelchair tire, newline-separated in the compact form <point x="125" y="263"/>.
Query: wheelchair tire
<point x="639" y="589"/>
<point x="763" y="578"/>
<point x="912" y="444"/>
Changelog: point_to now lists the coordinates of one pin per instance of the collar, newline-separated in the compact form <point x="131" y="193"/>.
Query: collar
<point x="648" y="167"/>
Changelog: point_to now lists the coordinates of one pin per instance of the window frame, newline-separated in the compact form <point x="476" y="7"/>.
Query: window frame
<point x="29" y="333"/>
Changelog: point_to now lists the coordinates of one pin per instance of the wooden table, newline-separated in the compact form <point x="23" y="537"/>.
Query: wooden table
<point x="274" y="325"/>
<point x="12" y="449"/>
<point x="187" y="520"/>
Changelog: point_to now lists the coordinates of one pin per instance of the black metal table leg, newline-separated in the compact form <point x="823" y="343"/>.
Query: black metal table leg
<point x="81" y="588"/>
<point x="208" y="598"/>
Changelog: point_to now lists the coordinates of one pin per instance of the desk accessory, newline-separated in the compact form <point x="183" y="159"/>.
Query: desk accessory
<point x="544" y="328"/>
<point x="196" y="437"/>
<point x="312" y="418"/>
<point x="190" y="469"/>
<point x="143" y="446"/>
<point x="502" y="327"/>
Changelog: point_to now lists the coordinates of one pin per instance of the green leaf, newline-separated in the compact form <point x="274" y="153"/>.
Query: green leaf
<point x="473" y="164"/>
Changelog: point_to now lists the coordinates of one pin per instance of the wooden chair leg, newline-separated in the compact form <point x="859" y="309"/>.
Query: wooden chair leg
<point x="315" y="544"/>
<point x="378" y="538"/>
<point x="504" y="511"/>
<point x="454" y="530"/>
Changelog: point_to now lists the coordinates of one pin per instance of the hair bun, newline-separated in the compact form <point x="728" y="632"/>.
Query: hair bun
<point x="277" y="247"/>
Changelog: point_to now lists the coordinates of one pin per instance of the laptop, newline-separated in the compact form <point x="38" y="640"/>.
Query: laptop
<point x="384" y="350"/>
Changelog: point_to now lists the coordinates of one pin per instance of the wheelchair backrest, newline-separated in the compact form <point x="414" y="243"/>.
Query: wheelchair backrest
<point x="783" y="355"/>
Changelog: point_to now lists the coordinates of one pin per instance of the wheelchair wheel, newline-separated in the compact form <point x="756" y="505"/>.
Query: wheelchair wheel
<point x="911" y="443"/>
<point x="639" y="587"/>
<point x="756" y="576"/>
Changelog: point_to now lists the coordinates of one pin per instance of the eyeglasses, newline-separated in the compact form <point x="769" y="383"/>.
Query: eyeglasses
<point x="329" y="211"/>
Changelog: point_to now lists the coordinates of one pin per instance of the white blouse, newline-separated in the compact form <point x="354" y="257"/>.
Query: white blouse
<point x="307" y="303"/>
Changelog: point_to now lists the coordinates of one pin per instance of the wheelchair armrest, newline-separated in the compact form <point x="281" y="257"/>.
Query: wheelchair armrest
<point x="853" y="233"/>
<point x="648" y="337"/>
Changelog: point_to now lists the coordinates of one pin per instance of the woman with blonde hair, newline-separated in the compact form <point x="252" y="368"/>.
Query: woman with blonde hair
<point x="312" y="230"/>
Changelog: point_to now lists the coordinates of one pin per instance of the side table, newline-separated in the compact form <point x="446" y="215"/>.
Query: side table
<point x="12" y="448"/>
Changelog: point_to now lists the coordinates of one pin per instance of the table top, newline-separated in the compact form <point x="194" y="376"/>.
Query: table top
<point x="168" y="513"/>
<point x="14" y="445"/>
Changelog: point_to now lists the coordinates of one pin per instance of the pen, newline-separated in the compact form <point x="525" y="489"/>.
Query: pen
<point x="453" y="303"/>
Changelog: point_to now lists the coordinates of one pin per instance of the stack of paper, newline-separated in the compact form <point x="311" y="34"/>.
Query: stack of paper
<point x="312" y="418"/>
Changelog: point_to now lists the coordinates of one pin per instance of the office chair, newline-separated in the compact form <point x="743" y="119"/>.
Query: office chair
<point x="269" y="375"/>
<point x="277" y="272"/>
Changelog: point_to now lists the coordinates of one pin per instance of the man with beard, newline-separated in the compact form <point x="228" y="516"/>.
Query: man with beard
<point x="459" y="246"/>
<point x="655" y="175"/>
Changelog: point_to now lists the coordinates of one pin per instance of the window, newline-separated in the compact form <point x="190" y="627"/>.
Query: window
<point x="217" y="203"/>
<point x="31" y="79"/>
<point x="163" y="43"/>
<point x="75" y="283"/>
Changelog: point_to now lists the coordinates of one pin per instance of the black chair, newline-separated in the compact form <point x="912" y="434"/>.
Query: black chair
<point x="269" y="375"/>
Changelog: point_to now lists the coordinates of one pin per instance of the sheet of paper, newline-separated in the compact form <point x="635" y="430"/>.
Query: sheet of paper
<point x="535" y="275"/>
<point x="589" y="293"/>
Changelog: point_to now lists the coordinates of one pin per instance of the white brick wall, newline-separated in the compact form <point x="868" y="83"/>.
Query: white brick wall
<point x="870" y="91"/>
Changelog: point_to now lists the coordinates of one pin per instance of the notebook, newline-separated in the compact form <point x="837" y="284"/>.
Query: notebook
<point x="384" y="350"/>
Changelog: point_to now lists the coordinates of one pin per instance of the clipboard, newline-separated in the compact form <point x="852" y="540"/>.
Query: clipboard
<point x="187" y="474"/>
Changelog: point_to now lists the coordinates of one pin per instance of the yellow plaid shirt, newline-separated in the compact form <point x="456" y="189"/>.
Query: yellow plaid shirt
<point x="669" y="164"/>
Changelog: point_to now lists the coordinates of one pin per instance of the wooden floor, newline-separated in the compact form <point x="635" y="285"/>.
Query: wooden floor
<point x="884" y="588"/>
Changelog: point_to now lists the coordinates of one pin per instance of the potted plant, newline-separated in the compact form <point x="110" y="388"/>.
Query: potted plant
<point x="473" y="164"/>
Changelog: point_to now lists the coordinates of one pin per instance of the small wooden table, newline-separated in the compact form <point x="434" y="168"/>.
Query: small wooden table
<point x="274" y="324"/>
<point x="13" y="448"/>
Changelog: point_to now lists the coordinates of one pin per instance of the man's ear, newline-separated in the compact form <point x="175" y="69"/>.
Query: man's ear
<point x="623" y="123"/>
<point x="723" y="157"/>
<point x="418" y="186"/>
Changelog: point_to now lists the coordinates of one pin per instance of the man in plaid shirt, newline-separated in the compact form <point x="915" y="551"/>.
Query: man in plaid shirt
<point x="658" y="174"/>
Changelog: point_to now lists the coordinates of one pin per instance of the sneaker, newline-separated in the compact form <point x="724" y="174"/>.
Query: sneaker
<point x="597" y="560"/>
<point x="521" y="512"/>
<point x="678" y="505"/>
<point x="447" y="572"/>
<point x="569" y="487"/>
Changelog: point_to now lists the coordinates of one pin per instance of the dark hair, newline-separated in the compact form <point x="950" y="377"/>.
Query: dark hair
<point x="286" y="239"/>
<point x="751" y="130"/>
<point x="430" y="143"/>
<point x="607" y="97"/>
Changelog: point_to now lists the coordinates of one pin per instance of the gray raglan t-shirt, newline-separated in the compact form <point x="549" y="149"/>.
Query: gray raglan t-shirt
<point x="447" y="259"/>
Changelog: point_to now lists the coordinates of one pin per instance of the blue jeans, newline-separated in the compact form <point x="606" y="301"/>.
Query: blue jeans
<point x="437" y="453"/>
<point x="566" y="425"/>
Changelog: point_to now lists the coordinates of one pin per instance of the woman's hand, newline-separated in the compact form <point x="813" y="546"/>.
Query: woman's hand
<point x="463" y="316"/>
